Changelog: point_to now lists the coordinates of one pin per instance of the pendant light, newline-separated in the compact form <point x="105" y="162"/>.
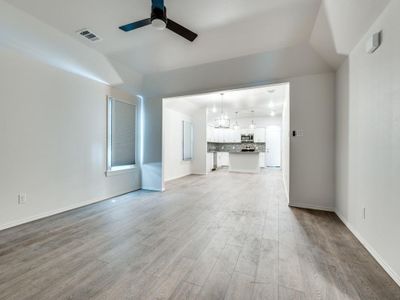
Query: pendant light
<point x="252" y="125"/>
<point x="236" y="125"/>
<point x="271" y="104"/>
<point x="223" y="120"/>
<point x="214" y="109"/>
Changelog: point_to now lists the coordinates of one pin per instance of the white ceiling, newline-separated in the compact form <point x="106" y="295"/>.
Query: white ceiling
<point x="340" y="25"/>
<point x="226" y="28"/>
<point x="350" y="20"/>
<point x="46" y="30"/>
<point x="262" y="100"/>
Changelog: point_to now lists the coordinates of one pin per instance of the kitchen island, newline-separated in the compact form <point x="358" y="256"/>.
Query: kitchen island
<point x="244" y="162"/>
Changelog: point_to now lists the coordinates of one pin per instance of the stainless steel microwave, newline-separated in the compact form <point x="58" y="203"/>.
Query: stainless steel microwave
<point x="247" y="138"/>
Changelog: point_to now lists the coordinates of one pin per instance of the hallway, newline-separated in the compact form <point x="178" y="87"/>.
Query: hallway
<point x="222" y="236"/>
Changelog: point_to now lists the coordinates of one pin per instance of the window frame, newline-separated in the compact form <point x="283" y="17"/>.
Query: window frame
<point x="184" y="140"/>
<point x="110" y="170"/>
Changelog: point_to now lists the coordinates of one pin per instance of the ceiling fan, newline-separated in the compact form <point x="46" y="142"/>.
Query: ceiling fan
<point x="160" y="21"/>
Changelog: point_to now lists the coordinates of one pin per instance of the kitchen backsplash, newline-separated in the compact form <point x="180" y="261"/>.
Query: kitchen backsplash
<point x="234" y="147"/>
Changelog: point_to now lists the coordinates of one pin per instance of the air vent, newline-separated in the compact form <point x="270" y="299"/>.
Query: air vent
<point x="89" y="35"/>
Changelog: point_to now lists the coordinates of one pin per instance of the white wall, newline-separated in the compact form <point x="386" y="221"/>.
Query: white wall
<point x="368" y="143"/>
<point x="152" y="174"/>
<point x="342" y="140"/>
<point x="174" y="166"/>
<point x="200" y="142"/>
<point x="286" y="145"/>
<point x="252" y="70"/>
<point x="53" y="140"/>
<point x="312" y="156"/>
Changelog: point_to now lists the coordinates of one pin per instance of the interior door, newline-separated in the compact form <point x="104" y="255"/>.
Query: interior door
<point x="273" y="146"/>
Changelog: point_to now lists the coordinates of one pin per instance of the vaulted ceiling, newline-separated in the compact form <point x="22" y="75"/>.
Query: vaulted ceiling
<point x="227" y="29"/>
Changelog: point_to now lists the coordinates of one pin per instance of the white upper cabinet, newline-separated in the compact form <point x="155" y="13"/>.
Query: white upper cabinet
<point x="245" y="131"/>
<point x="220" y="135"/>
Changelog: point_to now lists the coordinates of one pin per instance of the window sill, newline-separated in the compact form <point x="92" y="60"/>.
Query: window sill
<point x="120" y="170"/>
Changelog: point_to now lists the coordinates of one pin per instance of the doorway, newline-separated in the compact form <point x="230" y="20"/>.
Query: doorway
<point x="229" y="127"/>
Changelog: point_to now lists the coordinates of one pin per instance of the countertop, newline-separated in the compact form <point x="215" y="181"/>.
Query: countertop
<point x="245" y="152"/>
<point x="237" y="152"/>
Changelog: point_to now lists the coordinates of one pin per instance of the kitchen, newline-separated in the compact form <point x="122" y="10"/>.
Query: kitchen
<point x="225" y="145"/>
<point x="241" y="149"/>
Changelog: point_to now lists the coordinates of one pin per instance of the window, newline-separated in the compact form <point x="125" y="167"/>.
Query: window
<point x="187" y="140"/>
<point x="121" y="136"/>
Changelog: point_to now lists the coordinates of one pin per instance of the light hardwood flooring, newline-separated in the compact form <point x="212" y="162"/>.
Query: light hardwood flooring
<point x="222" y="236"/>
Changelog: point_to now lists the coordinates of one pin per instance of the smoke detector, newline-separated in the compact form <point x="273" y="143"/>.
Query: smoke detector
<point x="89" y="35"/>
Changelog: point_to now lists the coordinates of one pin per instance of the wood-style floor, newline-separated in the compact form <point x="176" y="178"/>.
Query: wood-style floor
<point x="222" y="236"/>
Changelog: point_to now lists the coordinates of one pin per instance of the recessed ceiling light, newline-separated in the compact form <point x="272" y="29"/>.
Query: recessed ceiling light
<point x="271" y="105"/>
<point x="272" y="114"/>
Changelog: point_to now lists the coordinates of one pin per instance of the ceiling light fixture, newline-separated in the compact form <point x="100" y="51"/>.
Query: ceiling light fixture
<point x="158" y="24"/>
<point x="236" y="126"/>
<point x="272" y="114"/>
<point x="252" y="125"/>
<point x="271" y="104"/>
<point x="223" y="120"/>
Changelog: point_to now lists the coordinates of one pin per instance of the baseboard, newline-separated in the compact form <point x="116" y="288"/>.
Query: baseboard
<point x="244" y="171"/>
<point x="56" y="212"/>
<point x="371" y="250"/>
<point x="177" y="177"/>
<point x="311" y="206"/>
<point x="153" y="189"/>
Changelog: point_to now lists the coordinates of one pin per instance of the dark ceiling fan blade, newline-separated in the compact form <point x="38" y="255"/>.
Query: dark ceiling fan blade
<point x="182" y="31"/>
<point x="135" y="25"/>
<point x="158" y="4"/>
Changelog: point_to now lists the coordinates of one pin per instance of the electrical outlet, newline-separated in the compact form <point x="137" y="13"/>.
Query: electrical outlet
<point x="22" y="198"/>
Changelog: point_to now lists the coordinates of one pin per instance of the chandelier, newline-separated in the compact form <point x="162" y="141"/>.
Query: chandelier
<point x="222" y="121"/>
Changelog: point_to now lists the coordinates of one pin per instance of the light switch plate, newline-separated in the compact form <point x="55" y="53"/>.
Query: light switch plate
<point x="21" y="198"/>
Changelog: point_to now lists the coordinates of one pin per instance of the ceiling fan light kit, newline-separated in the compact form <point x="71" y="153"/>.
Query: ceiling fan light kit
<point x="160" y="21"/>
<point x="158" y="24"/>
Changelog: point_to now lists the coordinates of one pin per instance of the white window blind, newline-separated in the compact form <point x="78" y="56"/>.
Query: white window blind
<point x="121" y="134"/>
<point x="187" y="142"/>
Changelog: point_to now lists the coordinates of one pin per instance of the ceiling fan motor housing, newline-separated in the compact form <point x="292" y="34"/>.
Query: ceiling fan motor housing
<point x="158" y="15"/>
<point x="159" y="20"/>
